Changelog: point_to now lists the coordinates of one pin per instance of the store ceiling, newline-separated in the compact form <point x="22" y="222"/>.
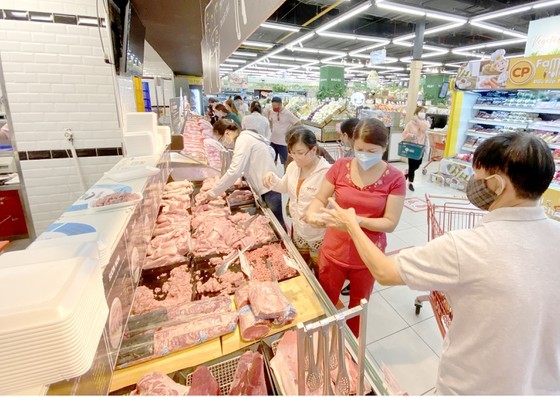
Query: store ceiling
<point x="386" y="20"/>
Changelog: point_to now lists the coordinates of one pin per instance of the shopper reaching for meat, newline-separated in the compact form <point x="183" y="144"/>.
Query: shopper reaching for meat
<point x="501" y="278"/>
<point x="302" y="180"/>
<point x="251" y="159"/>
<point x="376" y="190"/>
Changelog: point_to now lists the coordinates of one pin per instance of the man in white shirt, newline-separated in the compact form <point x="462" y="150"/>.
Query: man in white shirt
<point x="501" y="278"/>
<point x="281" y="121"/>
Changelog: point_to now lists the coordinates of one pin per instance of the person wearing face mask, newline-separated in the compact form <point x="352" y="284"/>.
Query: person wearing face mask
<point x="346" y="131"/>
<point x="415" y="131"/>
<point x="242" y="108"/>
<point x="222" y="113"/>
<point x="302" y="180"/>
<point x="501" y="277"/>
<point x="376" y="190"/>
<point x="251" y="159"/>
<point x="281" y="121"/>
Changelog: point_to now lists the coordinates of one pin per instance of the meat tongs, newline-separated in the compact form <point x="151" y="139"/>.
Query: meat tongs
<point x="222" y="269"/>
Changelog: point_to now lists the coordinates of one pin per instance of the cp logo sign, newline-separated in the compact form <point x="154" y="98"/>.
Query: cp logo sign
<point x="521" y="72"/>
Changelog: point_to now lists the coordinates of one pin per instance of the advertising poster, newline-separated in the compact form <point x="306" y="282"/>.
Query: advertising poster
<point x="488" y="74"/>
<point x="541" y="72"/>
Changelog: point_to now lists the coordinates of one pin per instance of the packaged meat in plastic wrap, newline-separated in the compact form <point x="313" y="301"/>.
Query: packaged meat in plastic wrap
<point x="249" y="377"/>
<point x="268" y="302"/>
<point x="250" y="327"/>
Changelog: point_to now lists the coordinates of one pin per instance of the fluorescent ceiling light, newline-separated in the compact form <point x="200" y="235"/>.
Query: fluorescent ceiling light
<point x="498" y="29"/>
<point x="445" y="17"/>
<point x="547" y="4"/>
<point x="435" y="48"/>
<point x="400" y="8"/>
<point x="301" y="39"/>
<point x="403" y="43"/>
<point x="491" y="44"/>
<point x="369" y="47"/>
<point x="362" y="56"/>
<point x="509" y="11"/>
<point x="347" y="36"/>
<point x="426" y="63"/>
<point x="236" y="61"/>
<point x="468" y="54"/>
<point x="441" y="28"/>
<point x="298" y="59"/>
<point x="276" y="26"/>
<point x="277" y="51"/>
<point x="245" y="54"/>
<point x="345" y="16"/>
<point x="257" y="44"/>
<point x="434" y="54"/>
<point x="452" y="65"/>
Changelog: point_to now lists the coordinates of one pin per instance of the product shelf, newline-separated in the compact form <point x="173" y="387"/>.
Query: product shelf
<point x="468" y="149"/>
<point x="516" y="109"/>
<point x="543" y="127"/>
<point x="498" y="122"/>
<point x="480" y="134"/>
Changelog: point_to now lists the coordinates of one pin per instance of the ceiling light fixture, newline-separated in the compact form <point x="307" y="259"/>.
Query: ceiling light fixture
<point x="498" y="29"/>
<point x="369" y="47"/>
<point x="235" y="61"/>
<point x="257" y="44"/>
<point x="245" y="54"/>
<point x="441" y="28"/>
<point x="547" y="4"/>
<point x="491" y="44"/>
<point x="276" y="26"/>
<point x="302" y="39"/>
<point x="347" y="36"/>
<point x="345" y="16"/>
<point x="497" y="14"/>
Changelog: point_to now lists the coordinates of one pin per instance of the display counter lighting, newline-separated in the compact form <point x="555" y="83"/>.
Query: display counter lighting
<point x="257" y="44"/>
<point x="276" y="26"/>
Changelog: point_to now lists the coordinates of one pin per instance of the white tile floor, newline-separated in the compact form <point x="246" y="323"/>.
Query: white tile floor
<point x="407" y="344"/>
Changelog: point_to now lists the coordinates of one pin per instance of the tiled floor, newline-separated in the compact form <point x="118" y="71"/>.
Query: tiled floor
<point x="408" y="345"/>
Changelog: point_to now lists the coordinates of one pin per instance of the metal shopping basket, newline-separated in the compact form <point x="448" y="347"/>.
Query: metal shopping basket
<point x="446" y="213"/>
<point x="437" y="147"/>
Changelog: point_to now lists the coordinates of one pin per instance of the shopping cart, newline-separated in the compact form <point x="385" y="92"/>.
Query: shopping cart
<point x="437" y="147"/>
<point x="446" y="213"/>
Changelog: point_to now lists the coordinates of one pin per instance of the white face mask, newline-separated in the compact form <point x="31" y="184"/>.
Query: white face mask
<point x="422" y="115"/>
<point x="368" y="160"/>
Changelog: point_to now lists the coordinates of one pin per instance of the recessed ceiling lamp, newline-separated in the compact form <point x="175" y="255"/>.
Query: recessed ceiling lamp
<point x="277" y="26"/>
<point x="345" y="16"/>
<point x="257" y="44"/>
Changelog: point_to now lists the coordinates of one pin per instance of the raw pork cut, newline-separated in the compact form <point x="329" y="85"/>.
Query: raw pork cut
<point x="242" y="296"/>
<point x="152" y="263"/>
<point x="158" y="384"/>
<point x="240" y="196"/>
<point x="203" y="383"/>
<point x="249" y="376"/>
<point x="285" y="363"/>
<point x="250" y="327"/>
<point x="185" y="185"/>
<point x="268" y="302"/>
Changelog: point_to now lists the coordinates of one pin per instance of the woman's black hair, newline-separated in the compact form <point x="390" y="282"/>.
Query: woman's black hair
<point x="235" y="98"/>
<point x="372" y="131"/>
<point x="222" y="125"/>
<point x="525" y="158"/>
<point x="303" y="135"/>
<point x="256" y="107"/>
<point x="348" y="127"/>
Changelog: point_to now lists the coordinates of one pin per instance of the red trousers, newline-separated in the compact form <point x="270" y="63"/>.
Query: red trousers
<point x="332" y="277"/>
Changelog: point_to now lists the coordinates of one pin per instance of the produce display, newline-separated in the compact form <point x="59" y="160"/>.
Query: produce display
<point x="326" y="112"/>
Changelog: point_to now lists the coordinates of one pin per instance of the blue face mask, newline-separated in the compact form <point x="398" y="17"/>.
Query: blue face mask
<point x="367" y="160"/>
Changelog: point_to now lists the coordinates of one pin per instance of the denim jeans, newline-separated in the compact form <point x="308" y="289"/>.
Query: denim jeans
<point x="274" y="201"/>
<point x="282" y="151"/>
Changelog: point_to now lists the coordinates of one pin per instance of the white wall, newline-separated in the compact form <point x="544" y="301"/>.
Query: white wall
<point x="56" y="78"/>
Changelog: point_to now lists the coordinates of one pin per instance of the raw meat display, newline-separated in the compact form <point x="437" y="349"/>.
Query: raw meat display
<point x="198" y="330"/>
<point x="274" y="253"/>
<point x="212" y="152"/>
<point x="268" y="302"/>
<point x="173" y="206"/>
<point x="163" y="261"/>
<point x="242" y="296"/>
<point x="193" y="140"/>
<point x="185" y="186"/>
<point x="250" y="327"/>
<point x="240" y="196"/>
<point x="172" y="240"/>
<point x="116" y="198"/>
<point x="161" y="341"/>
<point x="203" y="383"/>
<point x="178" y="290"/>
<point x="225" y="284"/>
<point x="249" y="376"/>
<point x="158" y="384"/>
<point x="173" y="314"/>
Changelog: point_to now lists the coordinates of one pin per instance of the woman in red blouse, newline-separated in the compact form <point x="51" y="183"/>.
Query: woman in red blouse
<point x="376" y="190"/>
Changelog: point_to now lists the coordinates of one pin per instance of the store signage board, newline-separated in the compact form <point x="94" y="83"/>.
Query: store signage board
<point x="487" y="74"/>
<point x="543" y="37"/>
<point x="331" y="81"/>
<point x="227" y="23"/>
<point x="541" y="72"/>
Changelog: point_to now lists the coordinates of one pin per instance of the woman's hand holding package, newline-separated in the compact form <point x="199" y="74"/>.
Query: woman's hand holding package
<point x="270" y="180"/>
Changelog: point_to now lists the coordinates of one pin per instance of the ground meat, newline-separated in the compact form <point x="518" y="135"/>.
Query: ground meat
<point x="116" y="198"/>
<point x="226" y="284"/>
<point x="178" y="289"/>
<point x="274" y="253"/>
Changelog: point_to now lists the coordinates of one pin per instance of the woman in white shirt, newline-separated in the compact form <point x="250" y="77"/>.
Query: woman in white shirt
<point x="302" y="180"/>
<point x="251" y="159"/>
<point x="256" y="121"/>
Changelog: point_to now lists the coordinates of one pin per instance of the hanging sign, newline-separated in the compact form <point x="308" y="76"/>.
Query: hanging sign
<point x="542" y="72"/>
<point x="488" y="74"/>
<point x="543" y="37"/>
<point x="378" y="57"/>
